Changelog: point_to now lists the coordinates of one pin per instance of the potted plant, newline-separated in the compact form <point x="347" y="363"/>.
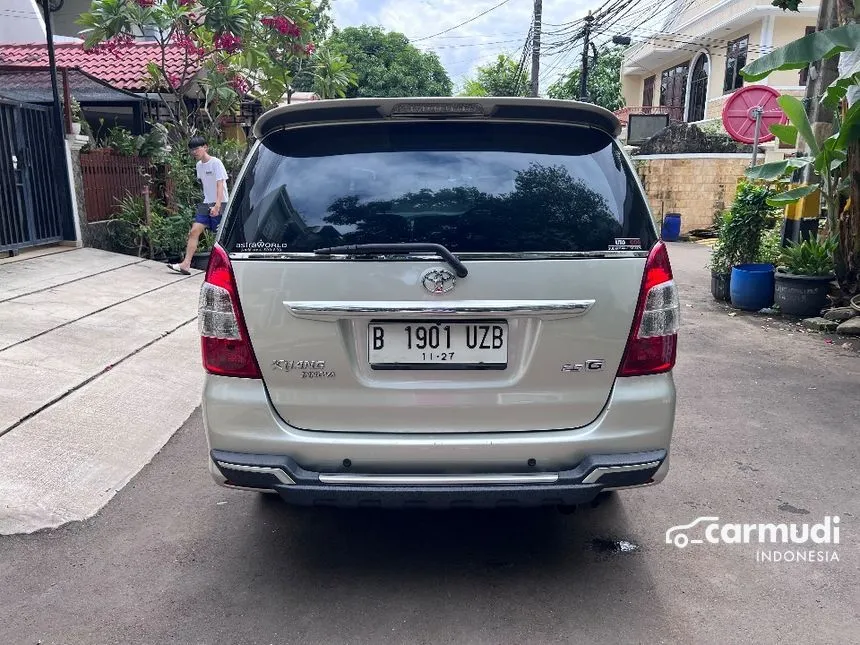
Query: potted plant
<point x="721" y="273"/>
<point x="738" y="250"/>
<point x="803" y="278"/>
<point x="77" y="116"/>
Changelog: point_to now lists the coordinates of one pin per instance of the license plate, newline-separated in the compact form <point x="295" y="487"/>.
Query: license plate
<point x="438" y="345"/>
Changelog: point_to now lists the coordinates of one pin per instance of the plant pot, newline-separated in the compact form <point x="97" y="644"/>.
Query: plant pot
<point x="720" y="283"/>
<point x="752" y="286"/>
<point x="200" y="261"/>
<point x="801" y="295"/>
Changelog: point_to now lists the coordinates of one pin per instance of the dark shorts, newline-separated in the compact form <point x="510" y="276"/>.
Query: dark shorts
<point x="202" y="216"/>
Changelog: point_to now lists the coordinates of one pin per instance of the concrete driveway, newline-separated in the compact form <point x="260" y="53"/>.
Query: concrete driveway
<point x="101" y="366"/>
<point x="766" y="432"/>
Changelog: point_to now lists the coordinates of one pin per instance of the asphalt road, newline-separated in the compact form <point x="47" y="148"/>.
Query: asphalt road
<point x="766" y="432"/>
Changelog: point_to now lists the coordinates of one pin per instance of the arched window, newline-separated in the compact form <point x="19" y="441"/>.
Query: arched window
<point x="698" y="89"/>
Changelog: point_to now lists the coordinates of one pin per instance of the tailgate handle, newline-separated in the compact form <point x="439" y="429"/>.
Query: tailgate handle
<point x="326" y="310"/>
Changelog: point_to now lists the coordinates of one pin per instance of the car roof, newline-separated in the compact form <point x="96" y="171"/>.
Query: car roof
<point x="379" y="109"/>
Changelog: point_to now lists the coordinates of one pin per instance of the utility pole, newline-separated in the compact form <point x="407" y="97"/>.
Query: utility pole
<point x="538" y="10"/>
<point x="583" y="74"/>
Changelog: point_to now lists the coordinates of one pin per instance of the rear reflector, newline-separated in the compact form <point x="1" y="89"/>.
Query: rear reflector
<point x="223" y="336"/>
<point x="651" y="347"/>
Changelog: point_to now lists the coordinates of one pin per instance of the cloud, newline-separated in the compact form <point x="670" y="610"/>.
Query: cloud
<point x="462" y="50"/>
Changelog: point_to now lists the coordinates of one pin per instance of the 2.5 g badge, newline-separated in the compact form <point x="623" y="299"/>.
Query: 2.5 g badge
<point x="591" y="365"/>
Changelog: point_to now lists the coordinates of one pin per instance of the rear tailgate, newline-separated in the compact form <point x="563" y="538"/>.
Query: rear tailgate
<point x="561" y="342"/>
<point x="548" y="220"/>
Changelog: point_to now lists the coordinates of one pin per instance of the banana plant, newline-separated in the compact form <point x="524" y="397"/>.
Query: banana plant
<point x="820" y="45"/>
<point x="825" y="158"/>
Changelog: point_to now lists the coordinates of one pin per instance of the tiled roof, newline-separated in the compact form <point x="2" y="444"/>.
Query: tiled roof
<point x="125" y="69"/>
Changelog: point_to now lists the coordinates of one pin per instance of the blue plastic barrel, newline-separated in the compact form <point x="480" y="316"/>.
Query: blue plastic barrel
<point x="671" y="227"/>
<point x="752" y="286"/>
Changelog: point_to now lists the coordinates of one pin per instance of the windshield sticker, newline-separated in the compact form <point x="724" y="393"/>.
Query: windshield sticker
<point x="626" y="244"/>
<point x="260" y="247"/>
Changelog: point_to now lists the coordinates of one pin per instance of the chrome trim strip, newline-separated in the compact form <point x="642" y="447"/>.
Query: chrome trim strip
<point x="436" y="480"/>
<point x="463" y="308"/>
<point x="469" y="255"/>
<point x="277" y="472"/>
<point x="599" y="472"/>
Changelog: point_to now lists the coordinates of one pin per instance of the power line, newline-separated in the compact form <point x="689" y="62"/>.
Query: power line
<point x="664" y="9"/>
<point x="622" y="12"/>
<point x="701" y="42"/>
<point x="509" y="33"/>
<point x="494" y="42"/>
<point x="705" y="40"/>
<point x="563" y="61"/>
<point x="657" y="40"/>
<point x="527" y="47"/>
<point x="465" y="22"/>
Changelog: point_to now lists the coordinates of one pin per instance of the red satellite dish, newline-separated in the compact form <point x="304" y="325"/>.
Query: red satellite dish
<point x="739" y="113"/>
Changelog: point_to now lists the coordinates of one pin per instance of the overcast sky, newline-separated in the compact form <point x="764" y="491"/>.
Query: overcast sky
<point x="501" y="31"/>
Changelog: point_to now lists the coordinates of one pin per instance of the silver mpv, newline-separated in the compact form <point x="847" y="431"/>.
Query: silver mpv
<point x="438" y="303"/>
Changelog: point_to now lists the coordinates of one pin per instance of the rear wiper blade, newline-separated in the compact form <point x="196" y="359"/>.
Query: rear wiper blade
<point x="398" y="247"/>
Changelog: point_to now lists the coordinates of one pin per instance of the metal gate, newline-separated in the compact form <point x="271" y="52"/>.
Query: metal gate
<point x="33" y="180"/>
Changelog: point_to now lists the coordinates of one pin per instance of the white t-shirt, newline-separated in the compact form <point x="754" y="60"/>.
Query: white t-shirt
<point x="209" y="173"/>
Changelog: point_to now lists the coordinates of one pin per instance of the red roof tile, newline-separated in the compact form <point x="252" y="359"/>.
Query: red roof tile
<point x="126" y="69"/>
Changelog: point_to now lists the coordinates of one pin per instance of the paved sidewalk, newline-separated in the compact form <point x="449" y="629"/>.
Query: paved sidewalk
<point x="101" y="364"/>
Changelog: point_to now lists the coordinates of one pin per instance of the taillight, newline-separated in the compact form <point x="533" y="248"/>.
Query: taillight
<point x="223" y="335"/>
<point x="653" y="339"/>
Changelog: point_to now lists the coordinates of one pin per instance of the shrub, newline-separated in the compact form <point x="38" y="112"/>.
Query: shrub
<point x="811" y="257"/>
<point x="739" y="238"/>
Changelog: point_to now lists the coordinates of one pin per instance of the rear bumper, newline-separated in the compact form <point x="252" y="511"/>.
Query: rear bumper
<point x="297" y="485"/>
<point x="638" y="417"/>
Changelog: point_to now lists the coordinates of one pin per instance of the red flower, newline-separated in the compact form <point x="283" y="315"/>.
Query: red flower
<point x="146" y="4"/>
<point x="282" y="25"/>
<point x="189" y="45"/>
<point x="310" y="48"/>
<point x="228" y="42"/>
<point x="240" y="84"/>
<point x="221" y="69"/>
<point x="173" y="80"/>
<point x="112" y="45"/>
<point x="185" y="3"/>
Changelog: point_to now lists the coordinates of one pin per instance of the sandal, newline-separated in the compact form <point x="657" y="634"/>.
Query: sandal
<point x="178" y="269"/>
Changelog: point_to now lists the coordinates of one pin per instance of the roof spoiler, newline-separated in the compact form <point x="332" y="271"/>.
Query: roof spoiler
<point x="370" y="109"/>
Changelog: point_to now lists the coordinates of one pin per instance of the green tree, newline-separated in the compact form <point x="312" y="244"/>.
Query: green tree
<point x="301" y="70"/>
<point x="500" y="78"/>
<point x="388" y="65"/>
<point x="332" y="74"/>
<point x="604" y="81"/>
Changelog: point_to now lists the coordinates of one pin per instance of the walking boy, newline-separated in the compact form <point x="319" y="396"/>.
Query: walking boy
<point x="213" y="176"/>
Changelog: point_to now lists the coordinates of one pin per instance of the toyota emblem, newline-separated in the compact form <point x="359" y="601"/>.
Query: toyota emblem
<point x="438" y="281"/>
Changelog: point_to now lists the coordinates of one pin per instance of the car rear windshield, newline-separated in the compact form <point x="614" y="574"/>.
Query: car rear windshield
<point x="484" y="187"/>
